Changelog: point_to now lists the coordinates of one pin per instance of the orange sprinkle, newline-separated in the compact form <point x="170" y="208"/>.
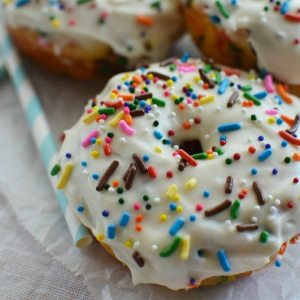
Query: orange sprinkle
<point x="138" y="227"/>
<point x="139" y="218"/>
<point x="145" y="20"/>
<point x="107" y="149"/>
<point x="186" y="125"/>
<point x="196" y="103"/>
<point x="283" y="248"/>
<point x="137" y="79"/>
<point x="296" y="156"/>
<point x="205" y="86"/>
<point x="128" y="119"/>
<point x="244" y="192"/>
<point x="181" y="106"/>
<point x="127" y="97"/>
<point x="115" y="183"/>
<point x="283" y="94"/>
<point x="286" y="136"/>
<point x="287" y="120"/>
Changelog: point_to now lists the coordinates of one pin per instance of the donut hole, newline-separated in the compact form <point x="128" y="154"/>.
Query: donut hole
<point x="192" y="146"/>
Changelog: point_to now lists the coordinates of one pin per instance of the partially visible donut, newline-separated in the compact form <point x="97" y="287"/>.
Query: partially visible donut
<point x="249" y="33"/>
<point x="86" y="38"/>
<point x="187" y="172"/>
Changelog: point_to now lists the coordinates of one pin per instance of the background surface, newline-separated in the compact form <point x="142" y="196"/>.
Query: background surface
<point x="28" y="208"/>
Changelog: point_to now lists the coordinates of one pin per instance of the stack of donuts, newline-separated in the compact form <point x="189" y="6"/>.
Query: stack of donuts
<point x="186" y="170"/>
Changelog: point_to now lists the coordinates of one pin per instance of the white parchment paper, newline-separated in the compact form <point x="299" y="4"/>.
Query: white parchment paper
<point x="24" y="185"/>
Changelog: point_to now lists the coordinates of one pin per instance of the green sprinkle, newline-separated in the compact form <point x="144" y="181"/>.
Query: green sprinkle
<point x="218" y="78"/>
<point x="207" y="68"/>
<point x="222" y="9"/>
<point x="219" y="151"/>
<point x="158" y="102"/>
<point x="264" y="236"/>
<point x="246" y="88"/>
<point x="228" y="161"/>
<point x="107" y="111"/>
<point x="252" y="98"/>
<point x="253" y="118"/>
<point x="55" y="170"/>
<point x="169" y="250"/>
<point x="120" y="190"/>
<point x="287" y="160"/>
<point x="234" y="212"/>
<point x="82" y="1"/>
<point x="199" y="156"/>
<point x="132" y="106"/>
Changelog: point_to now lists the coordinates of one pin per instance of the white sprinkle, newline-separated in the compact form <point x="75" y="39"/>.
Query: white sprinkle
<point x="122" y="140"/>
<point x="244" y="111"/>
<point x="207" y="136"/>
<point x="277" y="202"/>
<point x="111" y="189"/>
<point x="154" y="247"/>
<point x="191" y="122"/>
<point x="136" y="244"/>
<point x="273" y="209"/>
<point x="85" y="172"/>
<point x="218" y="109"/>
<point x="257" y="207"/>
<point x="175" y="147"/>
<point x="269" y="198"/>
<point x="150" y="116"/>
<point x="156" y="200"/>
<point x="254" y="219"/>
<point x="243" y="182"/>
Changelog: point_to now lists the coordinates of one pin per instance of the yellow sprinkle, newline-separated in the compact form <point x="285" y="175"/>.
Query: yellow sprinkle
<point x="98" y="141"/>
<point x="128" y="243"/>
<point x="66" y="173"/>
<point x="196" y="79"/>
<point x="56" y="23"/>
<point x="271" y="120"/>
<point x="188" y="85"/>
<point x="174" y="97"/>
<point x="158" y="150"/>
<point x="163" y="217"/>
<point x="91" y="117"/>
<point x="150" y="76"/>
<point x="190" y="184"/>
<point x="210" y="156"/>
<point x="207" y="99"/>
<point x="115" y="121"/>
<point x="170" y="82"/>
<point x="113" y="96"/>
<point x="185" y="247"/>
<point x="100" y="237"/>
<point x="95" y="154"/>
<point x="251" y="75"/>
<point x="172" y="193"/>
<point x="126" y="76"/>
<point x="179" y="209"/>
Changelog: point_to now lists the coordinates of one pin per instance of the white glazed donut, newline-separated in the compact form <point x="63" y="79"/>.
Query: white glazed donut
<point x="172" y="218"/>
<point x="273" y="29"/>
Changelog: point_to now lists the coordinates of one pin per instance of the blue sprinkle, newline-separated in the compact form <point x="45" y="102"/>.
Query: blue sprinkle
<point x="279" y="121"/>
<point x="174" y="78"/>
<point x="68" y="155"/>
<point x="172" y="206"/>
<point x="284" y="143"/>
<point x="124" y="220"/>
<point x="261" y="95"/>
<point x="277" y="263"/>
<point x="223" y="86"/>
<point x="146" y="158"/>
<point x="268" y="146"/>
<point x="142" y="103"/>
<point x="158" y="134"/>
<point x="93" y="140"/>
<point x="200" y="252"/>
<point x="229" y="127"/>
<point x="223" y="137"/>
<point x="206" y="194"/>
<point x="264" y="155"/>
<point x="194" y="96"/>
<point x="274" y="171"/>
<point x="223" y="260"/>
<point x="111" y="231"/>
<point x="84" y="163"/>
<point x="185" y="57"/>
<point x="215" y="19"/>
<point x="284" y="8"/>
<point x="193" y="218"/>
<point x="105" y="213"/>
<point x="253" y="171"/>
<point x="260" y="138"/>
<point x="95" y="176"/>
<point x="192" y="281"/>
<point x="20" y="3"/>
<point x="177" y="225"/>
<point x="234" y="2"/>
<point x="80" y="209"/>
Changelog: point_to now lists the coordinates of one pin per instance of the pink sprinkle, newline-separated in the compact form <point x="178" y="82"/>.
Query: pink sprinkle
<point x="187" y="68"/>
<point x="126" y="110"/>
<point x="42" y="42"/>
<point x="108" y="140"/>
<point x="126" y="128"/>
<point x="189" y="100"/>
<point x="199" y="207"/>
<point x="268" y="83"/>
<point x="72" y="22"/>
<point x="272" y="112"/>
<point x="86" y="142"/>
<point x="136" y="206"/>
<point x="103" y="117"/>
<point x="167" y="93"/>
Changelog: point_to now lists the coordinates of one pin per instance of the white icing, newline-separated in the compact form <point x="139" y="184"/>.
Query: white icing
<point x="270" y="34"/>
<point x="245" y="251"/>
<point x="120" y="29"/>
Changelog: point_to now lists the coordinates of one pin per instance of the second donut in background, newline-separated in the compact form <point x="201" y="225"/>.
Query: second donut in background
<point x="248" y="34"/>
<point x="86" y="38"/>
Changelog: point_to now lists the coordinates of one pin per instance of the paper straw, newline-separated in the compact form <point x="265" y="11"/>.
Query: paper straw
<point x="41" y="133"/>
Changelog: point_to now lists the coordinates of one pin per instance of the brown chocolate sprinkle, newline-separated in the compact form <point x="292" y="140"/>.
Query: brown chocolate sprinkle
<point x="130" y="177"/>
<point x="246" y="227"/>
<point x="144" y="96"/>
<point x="168" y="62"/>
<point x="138" y="259"/>
<point x="258" y="193"/>
<point x="232" y="99"/>
<point x="206" y="80"/>
<point x="217" y="209"/>
<point x="139" y="163"/>
<point x="182" y="164"/>
<point x="137" y="113"/>
<point x="228" y="185"/>
<point x="159" y="75"/>
<point x="295" y="126"/>
<point x="125" y="176"/>
<point x="107" y="174"/>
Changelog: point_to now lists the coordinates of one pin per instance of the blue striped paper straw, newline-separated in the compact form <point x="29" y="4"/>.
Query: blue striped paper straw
<point x="41" y="133"/>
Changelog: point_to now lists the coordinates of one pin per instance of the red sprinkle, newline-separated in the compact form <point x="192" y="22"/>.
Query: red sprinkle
<point x="169" y="174"/>
<point x="295" y="180"/>
<point x="199" y="207"/>
<point x="152" y="172"/>
<point x="107" y="149"/>
<point x="237" y="156"/>
<point x="251" y="149"/>
<point x="290" y="204"/>
<point x="187" y="157"/>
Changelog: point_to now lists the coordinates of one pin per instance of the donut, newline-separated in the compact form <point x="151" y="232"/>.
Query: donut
<point x="186" y="172"/>
<point x="249" y="34"/>
<point x="86" y="38"/>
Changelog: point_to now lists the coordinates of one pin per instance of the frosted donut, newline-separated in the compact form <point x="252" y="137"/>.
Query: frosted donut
<point x="249" y="33"/>
<point x="188" y="173"/>
<point x="89" y="37"/>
